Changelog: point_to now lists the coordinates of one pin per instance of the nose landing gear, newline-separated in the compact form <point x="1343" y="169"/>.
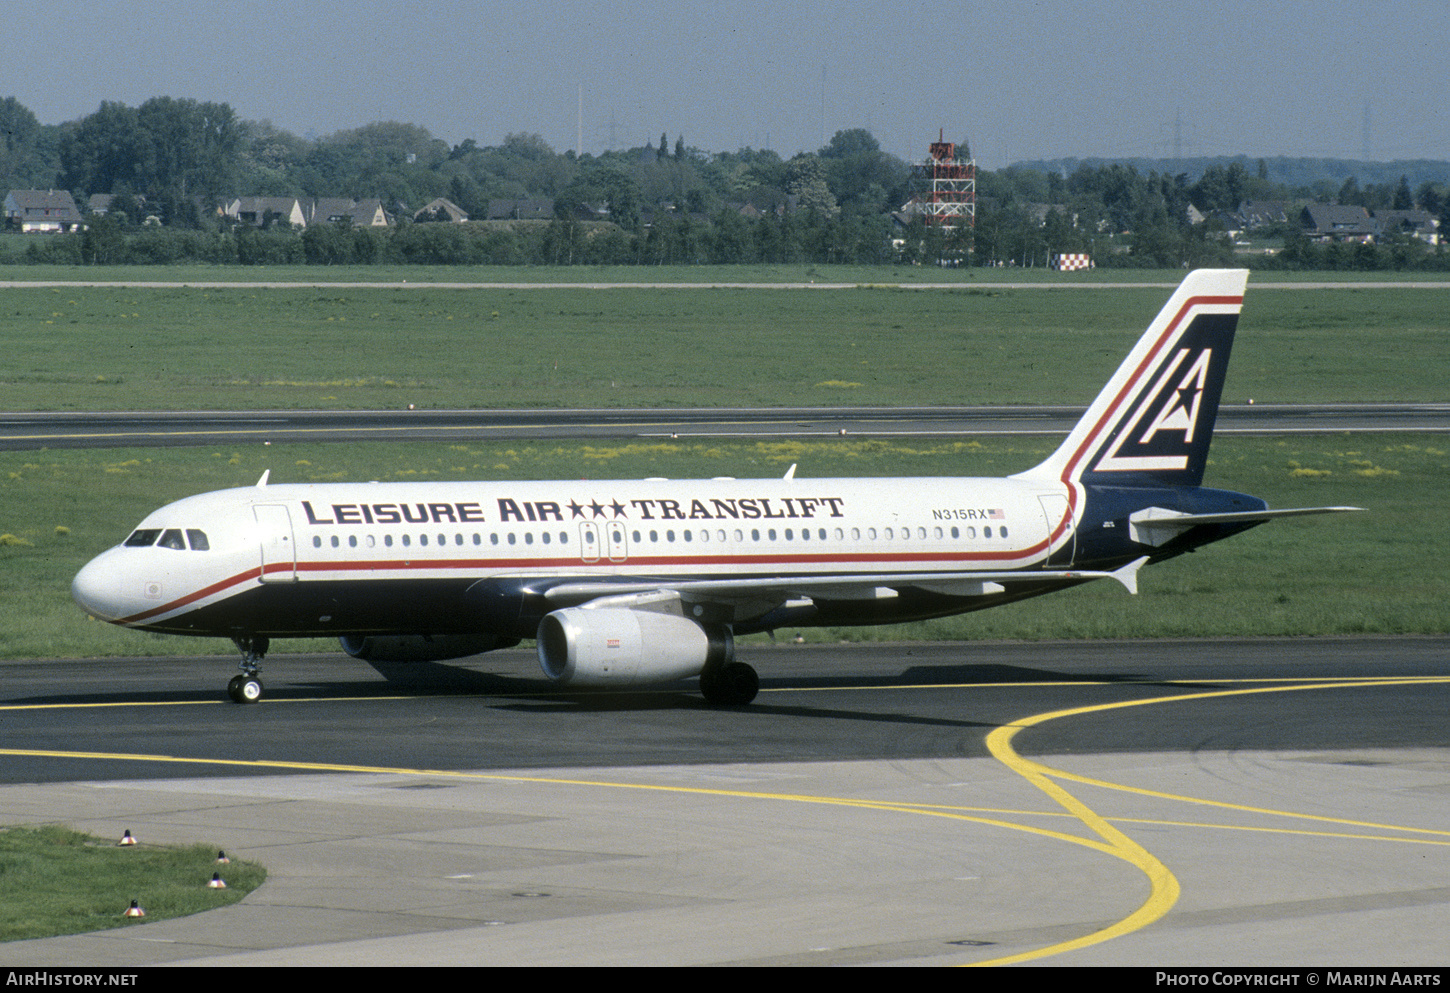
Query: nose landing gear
<point x="247" y="687"/>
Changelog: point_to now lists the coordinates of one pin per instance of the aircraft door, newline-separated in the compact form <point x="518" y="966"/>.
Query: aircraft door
<point x="279" y="552"/>
<point x="589" y="542"/>
<point x="618" y="541"/>
<point x="1055" y="509"/>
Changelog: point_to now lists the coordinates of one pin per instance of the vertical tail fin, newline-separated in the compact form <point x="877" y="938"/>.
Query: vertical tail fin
<point x="1154" y="419"/>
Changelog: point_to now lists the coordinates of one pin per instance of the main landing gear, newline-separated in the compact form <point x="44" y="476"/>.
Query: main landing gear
<point x="247" y="687"/>
<point x="730" y="684"/>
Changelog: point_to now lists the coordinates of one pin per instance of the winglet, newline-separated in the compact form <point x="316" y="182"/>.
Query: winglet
<point x="1128" y="574"/>
<point x="790" y="473"/>
<point x="263" y="481"/>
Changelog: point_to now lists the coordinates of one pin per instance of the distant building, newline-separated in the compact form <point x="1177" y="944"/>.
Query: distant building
<point x="1253" y="214"/>
<point x="1419" y="224"/>
<point x="41" y="211"/>
<point x="300" y="213"/>
<point x="345" y="210"/>
<point x="330" y="210"/>
<point x="1324" y="222"/>
<point x="101" y="204"/>
<point x="441" y="210"/>
<point x="257" y="210"/>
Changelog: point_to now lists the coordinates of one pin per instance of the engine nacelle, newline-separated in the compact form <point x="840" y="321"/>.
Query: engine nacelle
<point x="584" y="646"/>
<point x="420" y="647"/>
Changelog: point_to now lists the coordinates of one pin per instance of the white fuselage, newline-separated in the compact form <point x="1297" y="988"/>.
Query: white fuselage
<point x="354" y="534"/>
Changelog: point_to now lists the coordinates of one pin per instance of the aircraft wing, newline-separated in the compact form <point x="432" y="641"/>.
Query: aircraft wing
<point x="836" y="587"/>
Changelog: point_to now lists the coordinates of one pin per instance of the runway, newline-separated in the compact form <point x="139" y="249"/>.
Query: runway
<point x="30" y="431"/>
<point x="1066" y="803"/>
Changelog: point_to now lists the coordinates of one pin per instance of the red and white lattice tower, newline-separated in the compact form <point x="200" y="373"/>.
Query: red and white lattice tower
<point x="949" y="186"/>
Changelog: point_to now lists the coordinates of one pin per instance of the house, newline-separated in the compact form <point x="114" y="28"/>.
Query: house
<point x="1324" y="222"/>
<point x="345" y="210"/>
<point x="43" y="211"/>
<point x="1419" y="224"/>
<point x="441" y="210"/>
<point x="370" y="214"/>
<point x="264" y="211"/>
<point x="330" y="210"/>
<point x="102" y="204"/>
<point x="1254" y="214"/>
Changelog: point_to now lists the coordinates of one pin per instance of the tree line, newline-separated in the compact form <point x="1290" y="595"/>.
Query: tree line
<point x="668" y="202"/>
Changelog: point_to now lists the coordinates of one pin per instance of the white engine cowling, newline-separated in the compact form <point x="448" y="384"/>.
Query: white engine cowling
<point x="592" y="646"/>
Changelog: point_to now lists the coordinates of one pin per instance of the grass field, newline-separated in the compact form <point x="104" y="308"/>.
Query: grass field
<point x="76" y="348"/>
<point x="1383" y="571"/>
<point x="57" y="881"/>
<point x="784" y="273"/>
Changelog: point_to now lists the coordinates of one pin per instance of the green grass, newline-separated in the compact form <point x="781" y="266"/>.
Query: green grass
<point x="116" y="349"/>
<point x="56" y="881"/>
<point x="782" y="273"/>
<point x="1385" y="571"/>
<point x="242" y="348"/>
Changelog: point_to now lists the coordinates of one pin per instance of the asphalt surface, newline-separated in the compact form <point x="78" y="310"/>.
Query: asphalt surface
<point x="862" y="810"/>
<point x="28" y="431"/>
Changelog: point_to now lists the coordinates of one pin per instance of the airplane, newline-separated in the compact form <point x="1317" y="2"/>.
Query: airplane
<point x="636" y="583"/>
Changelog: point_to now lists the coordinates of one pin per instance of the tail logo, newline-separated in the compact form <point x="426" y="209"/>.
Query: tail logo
<point x="1153" y="421"/>
<point x="1172" y="405"/>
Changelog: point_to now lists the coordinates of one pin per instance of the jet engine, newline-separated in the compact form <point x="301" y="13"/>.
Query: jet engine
<point x="420" y="647"/>
<point x="618" y="647"/>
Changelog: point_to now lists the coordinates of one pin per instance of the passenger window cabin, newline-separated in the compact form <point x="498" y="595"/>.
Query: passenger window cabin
<point x="196" y="540"/>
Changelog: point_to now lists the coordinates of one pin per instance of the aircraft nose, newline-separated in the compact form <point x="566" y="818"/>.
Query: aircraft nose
<point x="96" y="588"/>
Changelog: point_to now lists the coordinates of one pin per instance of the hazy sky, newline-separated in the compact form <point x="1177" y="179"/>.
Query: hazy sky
<point x="1019" y="80"/>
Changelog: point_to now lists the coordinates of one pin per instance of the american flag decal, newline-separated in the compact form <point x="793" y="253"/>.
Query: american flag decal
<point x="996" y="515"/>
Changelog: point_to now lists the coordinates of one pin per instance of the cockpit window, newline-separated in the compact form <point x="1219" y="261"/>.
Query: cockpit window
<point x="143" y="538"/>
<point x="198" y="540"/>
<point x="171" y="538"/>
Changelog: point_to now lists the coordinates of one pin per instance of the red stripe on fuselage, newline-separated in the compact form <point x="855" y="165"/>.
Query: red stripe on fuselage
<point x="578" y="567"/>
<point x="200" y="594"/>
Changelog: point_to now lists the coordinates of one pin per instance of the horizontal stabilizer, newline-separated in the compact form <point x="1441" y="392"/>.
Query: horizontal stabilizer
<point x="1157" y="525"/>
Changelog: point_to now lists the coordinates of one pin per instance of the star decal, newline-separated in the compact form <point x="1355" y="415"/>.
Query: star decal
<point x="575" y="506"/>
<point x="597" y="507"/>
<point x="618" y="509"/>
